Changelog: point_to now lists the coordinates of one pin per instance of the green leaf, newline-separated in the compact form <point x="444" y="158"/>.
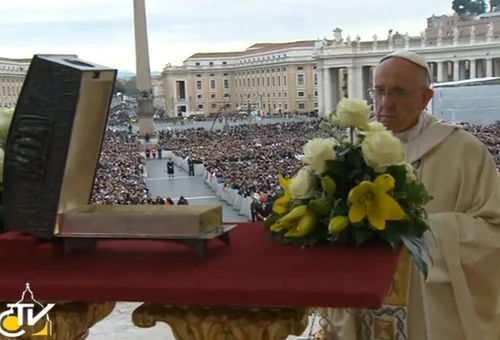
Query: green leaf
<point x="361" y="235"/>
<point x="398" y="172"/>
<point x="324" y="125"/>
<point x="320" y="207"/>
<point x="338" y="168"/>
<point x="355" y="158"/>
<point x="393" y="237"/>
<point x="341" y="208"/>
<point x="418" y="250"/>
<point x="328" y="185"/>
<point x="271" y="220"/>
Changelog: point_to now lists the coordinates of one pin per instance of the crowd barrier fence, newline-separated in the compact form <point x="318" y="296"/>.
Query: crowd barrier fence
<point x="228" y="195"/>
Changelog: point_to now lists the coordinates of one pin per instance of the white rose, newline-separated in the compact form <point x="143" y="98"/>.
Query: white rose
<point x="410" y="172"/>
<point x="300" y="185"/>
<point x="376" y="127"/>
<point x="381" y="150"/>
<point x="352" y="112"/>
<point x="317" y="151"/>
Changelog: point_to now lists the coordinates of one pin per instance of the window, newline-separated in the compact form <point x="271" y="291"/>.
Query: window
<point x="213" y="84"/>
<point x="253" y="82"/>
<point x="274" y="81"/>
<point x="285" y="94"/>
<point x="212" y="96"/>
<point x="212" y="75"/>
<point x="300" y="79"/>
<point x="315" y="79"/>
<point x="197" y="64"/>
<point x="200" y="106"/>
<point x="224" y="63"/>
<point x="226" y="83"/>
<point x="200" y="96"/>
<point x="258" y="81"/>
<point x="214" y="106"/>
<point x="198" y="75"/>
<point x="268" y="82"/>
<point x="279" y="80"/>
<point x="300" y="68"/>
<point x="284" y="80"/>
<point x="302" y="106"/>
<point x="226" y="74"/>
<point x="301" y="94"/>
<point x="199" y="85"/>
<point x="286" y="106"/>
<point x="315" y="105"/>
<point x="211" y="63"/>
<point x="315" y="93"/>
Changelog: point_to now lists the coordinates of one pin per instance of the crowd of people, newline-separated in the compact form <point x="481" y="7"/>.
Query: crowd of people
<point x="249" y="156"/>
<point x="245" y="157"/>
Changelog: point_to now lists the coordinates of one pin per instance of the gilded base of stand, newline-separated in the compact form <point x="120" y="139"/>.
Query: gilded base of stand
<point x="216" y="323"/>
<point x="70" y="321"/>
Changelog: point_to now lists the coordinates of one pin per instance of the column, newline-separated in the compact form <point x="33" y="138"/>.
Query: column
<point x="456" y="70"/>
<point x="355" y="82"/>
<point x="489" y="67"/>
<point x="321" y="90"/>
<point x="440" y="71"/>
<point x="327" y="90"/>
<point x="472" y="69"/>
<point x="143" y="72"/>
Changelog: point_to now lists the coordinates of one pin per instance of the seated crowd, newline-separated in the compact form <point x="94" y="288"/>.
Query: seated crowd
<point x="245" y="157"/>
<point x="249" y="157"/>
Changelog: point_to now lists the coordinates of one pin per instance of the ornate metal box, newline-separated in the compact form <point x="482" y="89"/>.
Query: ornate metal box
<point x="54" y="142"/>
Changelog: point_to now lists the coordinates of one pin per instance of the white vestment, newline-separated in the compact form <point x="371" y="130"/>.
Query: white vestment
<point x="460" y="300"/>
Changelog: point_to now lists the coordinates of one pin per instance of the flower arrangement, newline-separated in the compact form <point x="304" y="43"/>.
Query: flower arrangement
<point x="353" y="189"/>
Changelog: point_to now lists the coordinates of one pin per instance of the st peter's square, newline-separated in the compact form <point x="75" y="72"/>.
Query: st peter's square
<point x="214" y="170"/>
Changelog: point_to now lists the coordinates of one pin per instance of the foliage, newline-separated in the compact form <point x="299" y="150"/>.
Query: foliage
<point x="5" y="119"/>
<point x="464" y="7"/>
<point x="119" y="87"/>
<point x="392" y="198"/>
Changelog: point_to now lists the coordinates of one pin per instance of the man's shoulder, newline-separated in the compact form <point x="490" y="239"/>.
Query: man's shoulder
<point x="465" y="143"/>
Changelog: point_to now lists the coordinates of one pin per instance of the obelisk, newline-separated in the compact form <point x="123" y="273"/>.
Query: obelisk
<point x="143" y="72"/>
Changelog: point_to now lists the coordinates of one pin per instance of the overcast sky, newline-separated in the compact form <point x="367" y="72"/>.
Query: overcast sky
<point x="101" y="31"/>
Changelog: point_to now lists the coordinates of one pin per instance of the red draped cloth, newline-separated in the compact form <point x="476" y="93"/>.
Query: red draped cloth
<point x="253" y="271"/>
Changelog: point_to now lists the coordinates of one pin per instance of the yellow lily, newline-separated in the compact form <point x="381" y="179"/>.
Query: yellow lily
<point x="305" y="226"/>
<point x="337" y="224"/>
<point x="290" y="220"/>
<point x="371" y="200"/>
<point x="279" y="206"/>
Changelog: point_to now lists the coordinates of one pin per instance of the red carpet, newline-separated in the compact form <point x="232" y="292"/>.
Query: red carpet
<point x="253" y="271"/>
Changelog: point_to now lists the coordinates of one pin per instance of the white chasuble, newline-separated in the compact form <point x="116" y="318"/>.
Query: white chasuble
<point x="460" y="300"/>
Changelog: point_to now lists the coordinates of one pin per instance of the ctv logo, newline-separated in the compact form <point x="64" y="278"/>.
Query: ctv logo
<point x="22" y="313"/>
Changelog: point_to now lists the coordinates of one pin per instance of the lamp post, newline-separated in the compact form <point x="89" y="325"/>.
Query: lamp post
<point x="269" y="103"/>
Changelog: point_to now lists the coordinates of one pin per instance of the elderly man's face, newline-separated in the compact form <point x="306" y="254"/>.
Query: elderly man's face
<point x="400" y="94"/>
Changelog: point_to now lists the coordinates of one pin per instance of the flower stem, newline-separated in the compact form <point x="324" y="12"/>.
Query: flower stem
<point x="351" y="135"/>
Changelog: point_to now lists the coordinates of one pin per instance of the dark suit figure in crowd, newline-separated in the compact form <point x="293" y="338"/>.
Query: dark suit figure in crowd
<point x="254" y="207"/>
<point x="159" y="153"/>
<point x="170" y="168"/>
<point x="191" y="167"/>
<point x="147" y="138"/>
<point x="148" y="153"/>
<point x="263" y="212"/>
<point x="182" y="201"/>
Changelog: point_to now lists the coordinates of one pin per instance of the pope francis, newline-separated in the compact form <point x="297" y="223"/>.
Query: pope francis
<point x="460" y="299"/>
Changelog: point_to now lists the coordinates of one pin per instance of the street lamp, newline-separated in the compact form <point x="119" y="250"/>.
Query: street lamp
<point x="269" y="103"/>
